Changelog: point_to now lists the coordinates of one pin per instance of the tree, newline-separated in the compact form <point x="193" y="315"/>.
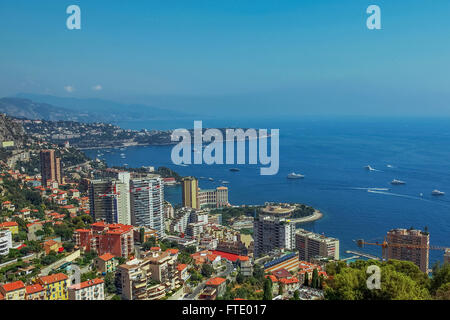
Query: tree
<point x="350" y="283"/>
<point x="296" y="295"/>
<point x="68" y="246"/>
<point x="110" y="286"/>
<point x="443" y="293"/>
<point x="280" y="289"/>
<point x="258" y="273"/>
<point x="240" y="278"/>
<point x="151" y="242"/>
<point x="315" y="279"/>
<point x="306" y="282"/>
<point x="207" y="270"/>
<point x="267" y="289"/>
<point x="441" y="276"/>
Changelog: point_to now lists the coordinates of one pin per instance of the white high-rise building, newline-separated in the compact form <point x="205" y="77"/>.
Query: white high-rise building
<point x="147" y="203"/>
<point x="5" y="241"/>
<point x="123" y="203"/>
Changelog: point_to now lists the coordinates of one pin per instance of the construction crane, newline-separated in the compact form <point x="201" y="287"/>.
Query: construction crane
<point x="384" y="245"/>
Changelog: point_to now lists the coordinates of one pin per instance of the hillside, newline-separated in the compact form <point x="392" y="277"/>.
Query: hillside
<point x="25" y="108"/>
<point x="99" y="110"/>
<point x="11" y="131"/>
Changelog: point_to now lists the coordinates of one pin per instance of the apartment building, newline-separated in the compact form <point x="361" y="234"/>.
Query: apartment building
<point x="117" y="239"/>
<point x="147" y="203"/>
<point x="13" y="290"/>
<point x="195" y="229"/>
<point x="409" y="245"/>
<point x="106" y="263"/>
<point x="88" y="290"/>
<point x="35" y="292"/>
<point x="134" y="282"/>
<point x="190" y="193"/>
<point x="181" y="221"/>
<point x="5" y="241"/>
<point x="50" y="167"/>
<point x="213" y="198"/>
<point x="162" y="266"/>
<point x="311" y="245"/>
<point x="55" y="286"/>
<point x="271" y="233"/>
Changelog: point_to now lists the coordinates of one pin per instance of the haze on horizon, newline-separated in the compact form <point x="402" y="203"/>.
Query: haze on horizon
<point x="252" y="58"/>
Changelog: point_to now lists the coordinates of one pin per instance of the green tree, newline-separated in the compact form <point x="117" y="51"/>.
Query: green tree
<point x="110" y="286"/>
<point x="267" y="289"/>
<point x="280" y="289"/>
<point x="207" y="270"/>
<point x="441" y="276"/>
<point x="306" y="282"/>
<point x="296" y="295"/>
<point x="240" y="278"/>
<point x="315" y="279"/>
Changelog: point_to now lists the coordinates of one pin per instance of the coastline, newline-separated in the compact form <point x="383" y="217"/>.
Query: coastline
<point x="315" y="216"/>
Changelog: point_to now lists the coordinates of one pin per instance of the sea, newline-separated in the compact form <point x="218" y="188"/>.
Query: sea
<point x="332" y="153"/>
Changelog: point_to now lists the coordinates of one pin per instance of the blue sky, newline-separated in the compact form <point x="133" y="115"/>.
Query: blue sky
<point x="285" y="56"/>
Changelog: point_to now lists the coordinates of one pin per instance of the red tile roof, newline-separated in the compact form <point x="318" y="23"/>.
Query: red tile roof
<point x="272" y="277"/>
<point x="9" y="224"/>
<point x="34" y="288"/>
<point x="54" y="278"/>
<point x="181" y="267"/>
<point x="87" y="284"/>
<point x="215" y="281"/>
<point x="106" y="256"/>
<point x="172" y="251"/>
<point x="225" y="255"/>
<point x="282" y="273"/>
<point x="289" y="281"/>
<point x="13" y="286"/>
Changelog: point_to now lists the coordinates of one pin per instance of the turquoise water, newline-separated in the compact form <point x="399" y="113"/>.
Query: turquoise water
<point x="332" y="154"/>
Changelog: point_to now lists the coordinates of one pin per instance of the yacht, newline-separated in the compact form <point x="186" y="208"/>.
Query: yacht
<point x="210" y="179"/>
<point x="294" y="175"/>
<point x="397" y="182"/>
<point x="437" y="193"/>
<point x="369" y="168"/>
<point x="225" y="182"/>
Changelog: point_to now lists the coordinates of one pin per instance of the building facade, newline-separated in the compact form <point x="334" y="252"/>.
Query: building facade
<point x="88" y="290"/>
<point x="147" y="203"/>
<point x="116" y="239"/>
<point x="190" y="197"/>
<point x="312" y="245"/>
<point x="409" y="245"/>
<point x="50" y="167"/>
<point x="5" y="241"/>
<point x="55" y="286"/>
<point x="271" y="233"/>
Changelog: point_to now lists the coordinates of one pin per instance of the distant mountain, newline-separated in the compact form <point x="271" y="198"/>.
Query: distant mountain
<point x="101" y="110"/>
<point x="25" y="108"/>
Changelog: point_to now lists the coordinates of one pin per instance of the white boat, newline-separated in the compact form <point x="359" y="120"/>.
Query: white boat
<point x="225" y="182"/>
<point x="294" y="175"/>
<point x="389" y="166"/>
<point x="369" y="168"/>
<point x="210" y="179"/>
<point x="397" y="182"/>
<point x="437" y="193"/>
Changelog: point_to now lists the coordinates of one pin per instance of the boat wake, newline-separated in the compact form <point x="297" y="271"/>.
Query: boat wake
<point x="406" y="196"/>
